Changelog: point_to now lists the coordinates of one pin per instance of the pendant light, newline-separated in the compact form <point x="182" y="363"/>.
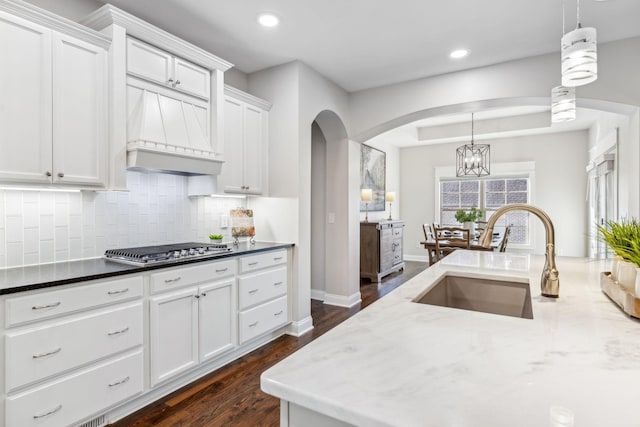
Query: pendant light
<point x="579" y="55"/>
<point x="563" y="99"/>
<point x="563" y="104"/>
<point x="473" y="159"/>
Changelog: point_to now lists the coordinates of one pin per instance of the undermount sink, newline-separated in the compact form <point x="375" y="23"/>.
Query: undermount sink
<point x="485" y="295"/>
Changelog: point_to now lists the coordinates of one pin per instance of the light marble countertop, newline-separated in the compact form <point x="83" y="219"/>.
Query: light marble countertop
<point x="399" y="363"/>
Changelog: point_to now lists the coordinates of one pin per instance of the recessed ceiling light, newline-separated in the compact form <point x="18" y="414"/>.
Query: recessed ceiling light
<point x="268" y="19"/>
<point x="460" y="53"/>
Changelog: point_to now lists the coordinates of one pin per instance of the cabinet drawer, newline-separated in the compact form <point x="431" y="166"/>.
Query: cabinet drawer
<point x="263" y="318"/>
<point x="55" y="303"/>
<point x="77" y="396"/>
<point x="263" y="286"/>
<point x="397" y="232"/>
<point x="178" y="277"/>
<point x="267" y="259"/>
<point x="38" y="353"/>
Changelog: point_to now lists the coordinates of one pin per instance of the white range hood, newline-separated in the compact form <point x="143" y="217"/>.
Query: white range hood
<point x="168" y="134"/>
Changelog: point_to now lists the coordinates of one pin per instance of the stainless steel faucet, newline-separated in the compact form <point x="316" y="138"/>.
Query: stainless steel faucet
<point x="550" y="283"/>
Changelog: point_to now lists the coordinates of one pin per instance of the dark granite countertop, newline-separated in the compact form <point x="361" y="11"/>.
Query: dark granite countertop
<point x="27" y="278"/>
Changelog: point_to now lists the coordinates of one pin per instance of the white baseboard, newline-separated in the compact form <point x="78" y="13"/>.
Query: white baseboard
<point x="301" y="327"/>
<point x="317" y="294"/>
<point x="418" y="258"/>
<point x="341" y="300"/>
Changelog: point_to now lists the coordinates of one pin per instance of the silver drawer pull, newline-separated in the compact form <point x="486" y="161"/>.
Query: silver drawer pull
<point x="122" y="381"/>
<point x="251" y="325"/>
<point x="222" y="270"/>
<point x="172" y="280"/>
<point x="121" y="331"/>
<point x="277" y="284"/>
<point x="277" y="258"/>
<point x="253" y="291"/>
<point x="53" y="411"/>
<point x="278" y="313"/>
<point x="40" y="307"/>
<point x="38" y="356"/>
<point x="121" y="291"/>
<point x="253" y="263"/>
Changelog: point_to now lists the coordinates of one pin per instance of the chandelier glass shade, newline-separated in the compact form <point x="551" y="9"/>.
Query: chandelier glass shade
<point x="563" y="104"/>
<point x="579" y="57"/>
<point x="473" y="159"/>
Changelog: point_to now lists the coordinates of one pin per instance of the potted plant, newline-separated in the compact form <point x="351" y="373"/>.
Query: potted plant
<point x="215" y="238"/>
<point x="624" y="240"/>
<point x="468" y="219"/>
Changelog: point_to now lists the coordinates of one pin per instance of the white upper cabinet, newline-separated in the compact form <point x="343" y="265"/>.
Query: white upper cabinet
<point x="158" y="66"/>
<point x="79" y="112"/>
<point x="246" y="134"/>
<point x="53" y="100"/>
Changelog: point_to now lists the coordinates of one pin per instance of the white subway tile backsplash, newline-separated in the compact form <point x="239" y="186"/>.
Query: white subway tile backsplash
<point x="47" y="203"/>
<point x="31" y="241"/>
<point x="14" y="254"/>
<point x="31" y="214"/>
<point x="14" y="229"/>
<point x="75" y="226"/>
<point x="46" y="227"/>
<point x="13" y="203"/>
<point x="31" y="258"/>
<point x="61" y="239"/>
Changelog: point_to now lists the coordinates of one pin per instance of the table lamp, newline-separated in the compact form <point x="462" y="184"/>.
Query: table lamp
<point x="366" y="195"/>
<point x="390" y="197"/>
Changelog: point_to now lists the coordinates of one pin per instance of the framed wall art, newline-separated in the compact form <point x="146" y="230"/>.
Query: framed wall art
<point x="372" y="175"/>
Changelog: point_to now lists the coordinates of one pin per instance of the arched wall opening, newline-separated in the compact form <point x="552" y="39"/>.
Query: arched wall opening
<point x="334" y="215"/>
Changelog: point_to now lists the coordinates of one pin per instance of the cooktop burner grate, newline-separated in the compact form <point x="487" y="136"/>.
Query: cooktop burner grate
<point x="153" y="254"/>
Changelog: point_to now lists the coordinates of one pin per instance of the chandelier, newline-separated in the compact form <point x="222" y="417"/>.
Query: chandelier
<point x="473" y="159"/>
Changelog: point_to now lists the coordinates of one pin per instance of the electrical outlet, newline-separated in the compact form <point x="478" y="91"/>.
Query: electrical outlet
<point x="224" y="221"/>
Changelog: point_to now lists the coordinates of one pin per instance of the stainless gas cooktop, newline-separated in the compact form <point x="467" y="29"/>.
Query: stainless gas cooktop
<point x="153" y="255"/>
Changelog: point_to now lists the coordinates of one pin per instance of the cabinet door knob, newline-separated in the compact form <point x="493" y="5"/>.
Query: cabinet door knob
<point x="176" y="83"/>
<point x="170" y="81"/>
<point x="60" y="175"/>
<point x="47" y="173"/>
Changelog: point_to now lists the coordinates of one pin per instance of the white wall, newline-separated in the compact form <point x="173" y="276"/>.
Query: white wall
<point x="74" y="10"/>
<point x="40" y="227"/>
<point x="559" y="187"/>
<point x="318" y="210"/>
<point x="236" y="78"/>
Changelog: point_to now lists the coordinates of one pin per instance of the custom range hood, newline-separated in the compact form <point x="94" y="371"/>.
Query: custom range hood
<point x="168" y="134"/>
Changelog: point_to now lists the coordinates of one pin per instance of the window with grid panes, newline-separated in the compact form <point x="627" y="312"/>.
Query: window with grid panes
<point x="488" y="195"/>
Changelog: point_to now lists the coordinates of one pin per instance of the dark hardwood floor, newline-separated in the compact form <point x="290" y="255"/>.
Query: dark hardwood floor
<point x="231" y="396"/>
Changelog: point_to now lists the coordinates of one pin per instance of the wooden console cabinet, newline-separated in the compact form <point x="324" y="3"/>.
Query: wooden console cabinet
<point x="380" y="249"/>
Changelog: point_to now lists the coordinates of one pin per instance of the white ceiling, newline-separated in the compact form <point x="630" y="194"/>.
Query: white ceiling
<point x="365" y="43"/>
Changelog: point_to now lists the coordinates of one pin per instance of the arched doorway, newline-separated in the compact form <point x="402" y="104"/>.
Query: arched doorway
<point x="334" y="212"/>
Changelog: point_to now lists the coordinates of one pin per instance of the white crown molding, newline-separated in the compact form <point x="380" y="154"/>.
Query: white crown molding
<point x="50" y="20"/>
<point x="109" y="15"/>
<point x="246" y="97"/>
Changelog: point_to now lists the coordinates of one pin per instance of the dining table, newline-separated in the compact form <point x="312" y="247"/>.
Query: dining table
<point x="474" y="244"/>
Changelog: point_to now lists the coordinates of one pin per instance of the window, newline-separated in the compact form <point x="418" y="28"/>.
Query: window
<point x="489" y="195"/>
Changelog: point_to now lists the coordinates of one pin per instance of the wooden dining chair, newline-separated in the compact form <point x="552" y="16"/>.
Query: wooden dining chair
<point x="427" y="229"/>
<point x="505" y="238"/>
<point x="449" y="239"/>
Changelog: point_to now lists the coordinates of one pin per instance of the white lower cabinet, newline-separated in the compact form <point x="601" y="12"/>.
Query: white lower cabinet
<point x="194" y="323"/>
<point x="73" y="352"/>
<point x="173" y="338"/>
<point x="80" y="354"/>
<point x="77" y="396"/>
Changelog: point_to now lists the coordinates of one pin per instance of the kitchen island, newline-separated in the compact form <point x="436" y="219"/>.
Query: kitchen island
<point x="400" y="363"/>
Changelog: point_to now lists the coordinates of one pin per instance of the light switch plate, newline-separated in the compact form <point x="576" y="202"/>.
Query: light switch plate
<point x="332" y="218"/>
<point x="224" y="221"/>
